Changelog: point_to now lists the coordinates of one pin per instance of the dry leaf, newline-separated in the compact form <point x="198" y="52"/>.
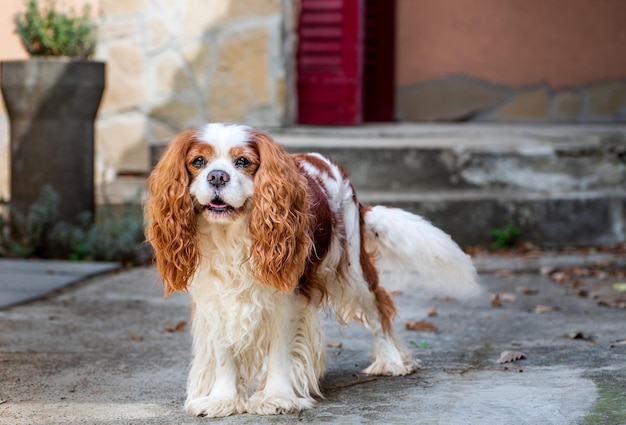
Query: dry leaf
<point x="331" y="344"/>
<point x="510" y="356"/>
<point x="580" y="335"/>
<point x="620" y="287"/>
<point x="498" y="299"/>
<point x="135" y="337"/>
<point x="420" y="326"/>
<point x="539" y="308"/>
<point x="432" y="312"/>
<point x="612" y="304"/>
<point x="507" y="298"/>
<point x="560" y="277"/>
<point x="180" y="326"/>
<point x="546" y="270"/>
<point x="528" y="291"/>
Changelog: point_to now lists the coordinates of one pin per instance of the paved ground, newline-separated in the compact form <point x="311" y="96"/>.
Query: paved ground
<point x="107" y="351"/>
<point x="25" y="280"/>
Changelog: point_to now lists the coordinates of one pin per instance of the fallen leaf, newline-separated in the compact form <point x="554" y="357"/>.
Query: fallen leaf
<point x="508" y="298"/>
<point x="620" y="287"/>
<point x="539" y="308"/>
<point x="498" y="299"/>
<point x="420" y="326"/>
<point x="582" y="293"/>
<point x="560" y="277"/>
<point x="612" y="304"/>
<point x="580" y="335"/>
<point x="510" y="356"/>
<point x="331" y="344"/>
<point x="432" y="312"/>
<point x="528" y="291"/>
<point x="180" y="326"/>
<point x="135" y="337"/>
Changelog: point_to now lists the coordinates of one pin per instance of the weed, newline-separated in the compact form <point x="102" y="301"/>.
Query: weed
<point x="116" y="234"/>
<point x="505" y="237"/>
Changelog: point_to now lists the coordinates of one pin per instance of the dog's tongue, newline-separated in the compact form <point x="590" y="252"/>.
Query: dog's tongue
<point x="217" y="203"/>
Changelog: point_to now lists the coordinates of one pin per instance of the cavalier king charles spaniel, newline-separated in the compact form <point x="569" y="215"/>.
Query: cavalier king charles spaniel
<point x="263" y="240"/>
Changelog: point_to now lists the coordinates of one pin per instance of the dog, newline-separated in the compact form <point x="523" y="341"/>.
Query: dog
<point x="263" y="240"/>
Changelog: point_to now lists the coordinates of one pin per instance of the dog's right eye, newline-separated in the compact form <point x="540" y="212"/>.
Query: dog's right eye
<point x="198" y="162"/>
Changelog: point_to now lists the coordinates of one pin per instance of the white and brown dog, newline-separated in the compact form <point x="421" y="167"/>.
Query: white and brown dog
<point x="264" y="239"/>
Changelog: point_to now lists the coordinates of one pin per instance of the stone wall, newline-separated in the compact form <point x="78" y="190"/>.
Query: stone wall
<point x="460" y="98"/>
<point x="176" y="64"/>
<point x="172" y="64"/>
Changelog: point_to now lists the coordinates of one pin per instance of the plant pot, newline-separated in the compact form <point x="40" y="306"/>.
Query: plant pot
<point x="52" y="104"/>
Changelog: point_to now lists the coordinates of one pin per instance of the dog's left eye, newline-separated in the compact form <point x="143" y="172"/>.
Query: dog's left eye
<point x="198" y="162"/>
<point x="242" y="162"/>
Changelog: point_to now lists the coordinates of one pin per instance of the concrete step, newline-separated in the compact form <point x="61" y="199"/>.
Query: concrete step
<point x="588" y="218"/>
<point x="489" y="161"/>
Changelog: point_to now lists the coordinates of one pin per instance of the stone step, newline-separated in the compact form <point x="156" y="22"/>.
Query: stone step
<point x="588" y="218"/>
<point x="501" y="161"/>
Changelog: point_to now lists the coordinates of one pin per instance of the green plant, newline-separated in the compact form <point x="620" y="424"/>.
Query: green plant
<point x="45" y="31"/>
<point x="34" y="228"/>
<point x="117" y="234"/>
<point x="505" y="237"/>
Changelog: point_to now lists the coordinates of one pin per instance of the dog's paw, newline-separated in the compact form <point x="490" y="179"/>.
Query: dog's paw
<point x="273" y="404"/>
<point x="213" y="407"/>
<point x="382" y="367"/>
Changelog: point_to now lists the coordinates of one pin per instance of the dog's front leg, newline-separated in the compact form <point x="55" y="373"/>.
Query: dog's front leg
<point x="212" y="383"/>
<point x="294" y="361"/>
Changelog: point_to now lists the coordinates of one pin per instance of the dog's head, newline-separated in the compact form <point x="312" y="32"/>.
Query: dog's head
<point x="222" y="174"/>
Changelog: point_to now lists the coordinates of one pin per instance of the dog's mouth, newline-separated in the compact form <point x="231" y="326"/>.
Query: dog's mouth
<point x="217" y="208"/>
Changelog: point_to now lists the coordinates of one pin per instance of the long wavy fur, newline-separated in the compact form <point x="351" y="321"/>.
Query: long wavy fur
<point x="279" y="222"/>
<point x="171" y="227"/>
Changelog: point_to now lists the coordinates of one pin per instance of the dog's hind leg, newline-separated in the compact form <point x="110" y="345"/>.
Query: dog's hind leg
<point x="360" y="297"/>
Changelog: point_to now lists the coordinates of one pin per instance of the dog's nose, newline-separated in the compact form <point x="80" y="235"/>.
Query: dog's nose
<point x="218" y="178"/>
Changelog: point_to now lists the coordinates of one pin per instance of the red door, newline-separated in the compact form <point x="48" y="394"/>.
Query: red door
<point x="330" y="62"/>
<point x="379" y="62"/>
<point x="345" y="61"/>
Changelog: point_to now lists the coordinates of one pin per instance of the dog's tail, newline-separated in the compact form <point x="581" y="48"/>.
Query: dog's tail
<point x="412" y="252"/>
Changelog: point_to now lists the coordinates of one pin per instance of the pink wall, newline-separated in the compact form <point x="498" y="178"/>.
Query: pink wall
<point x="511" y="42"/>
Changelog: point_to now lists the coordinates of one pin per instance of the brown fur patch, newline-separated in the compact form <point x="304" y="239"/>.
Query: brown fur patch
<point x="171" y="228"/>
<point x="311" y="284"/>
<point x="385" y="305"/>
<point x="249" y="153"/>
<point x="279" y="222"/>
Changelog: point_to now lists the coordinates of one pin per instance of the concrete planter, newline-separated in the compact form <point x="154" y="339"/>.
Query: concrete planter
<point x="52" y="104"/>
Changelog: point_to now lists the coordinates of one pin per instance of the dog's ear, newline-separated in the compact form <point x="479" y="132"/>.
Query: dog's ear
<point x="170" y="216"/>
<point x="279" y="220"/>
